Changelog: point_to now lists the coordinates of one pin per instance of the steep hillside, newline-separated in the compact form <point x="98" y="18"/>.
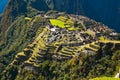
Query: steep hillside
<point x="88" y="8"/>
<point x="55" y="45"/>
<point x="39" y="43"/>
<point x="13" y="9"/>
<point x="68" y="6"/>
<point x="108" y="13"/>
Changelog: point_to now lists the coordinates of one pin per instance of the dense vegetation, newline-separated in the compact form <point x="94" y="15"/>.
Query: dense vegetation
<point x="15" y="38"/>
<point x="78" y="68"/>
<point x="19" y="31"/>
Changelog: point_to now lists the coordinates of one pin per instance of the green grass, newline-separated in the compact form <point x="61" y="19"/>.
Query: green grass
<point x="105" y="78"/>
<point x="102" y="38"/>
<point x="110" y="41"/>
<point x="58" y="23"/>
<point x="106" y="40"/>
<point x="63" y="22"/>
<point x="21" y="53"/>
<point x="27" y="18"/>
<point x="70" y="29"/>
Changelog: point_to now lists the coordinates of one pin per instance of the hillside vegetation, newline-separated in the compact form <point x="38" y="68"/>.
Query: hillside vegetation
<point x="51" y="45"/>
<point x="42" y="49"/>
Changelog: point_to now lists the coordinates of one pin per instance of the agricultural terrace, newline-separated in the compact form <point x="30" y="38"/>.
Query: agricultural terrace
<point x="27" y="18"/>
<point x="105" y="78"/>
<point x="106" y="40"/>
<point x="65" y="23"/>
<point x="110" y="41"/>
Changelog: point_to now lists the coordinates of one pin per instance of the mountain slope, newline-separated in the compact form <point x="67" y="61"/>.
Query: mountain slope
<point x="39" y="43"/>
<point x="108" y="13"/>
<point x="11" y="12"/>
<point x="58" y="39"/>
